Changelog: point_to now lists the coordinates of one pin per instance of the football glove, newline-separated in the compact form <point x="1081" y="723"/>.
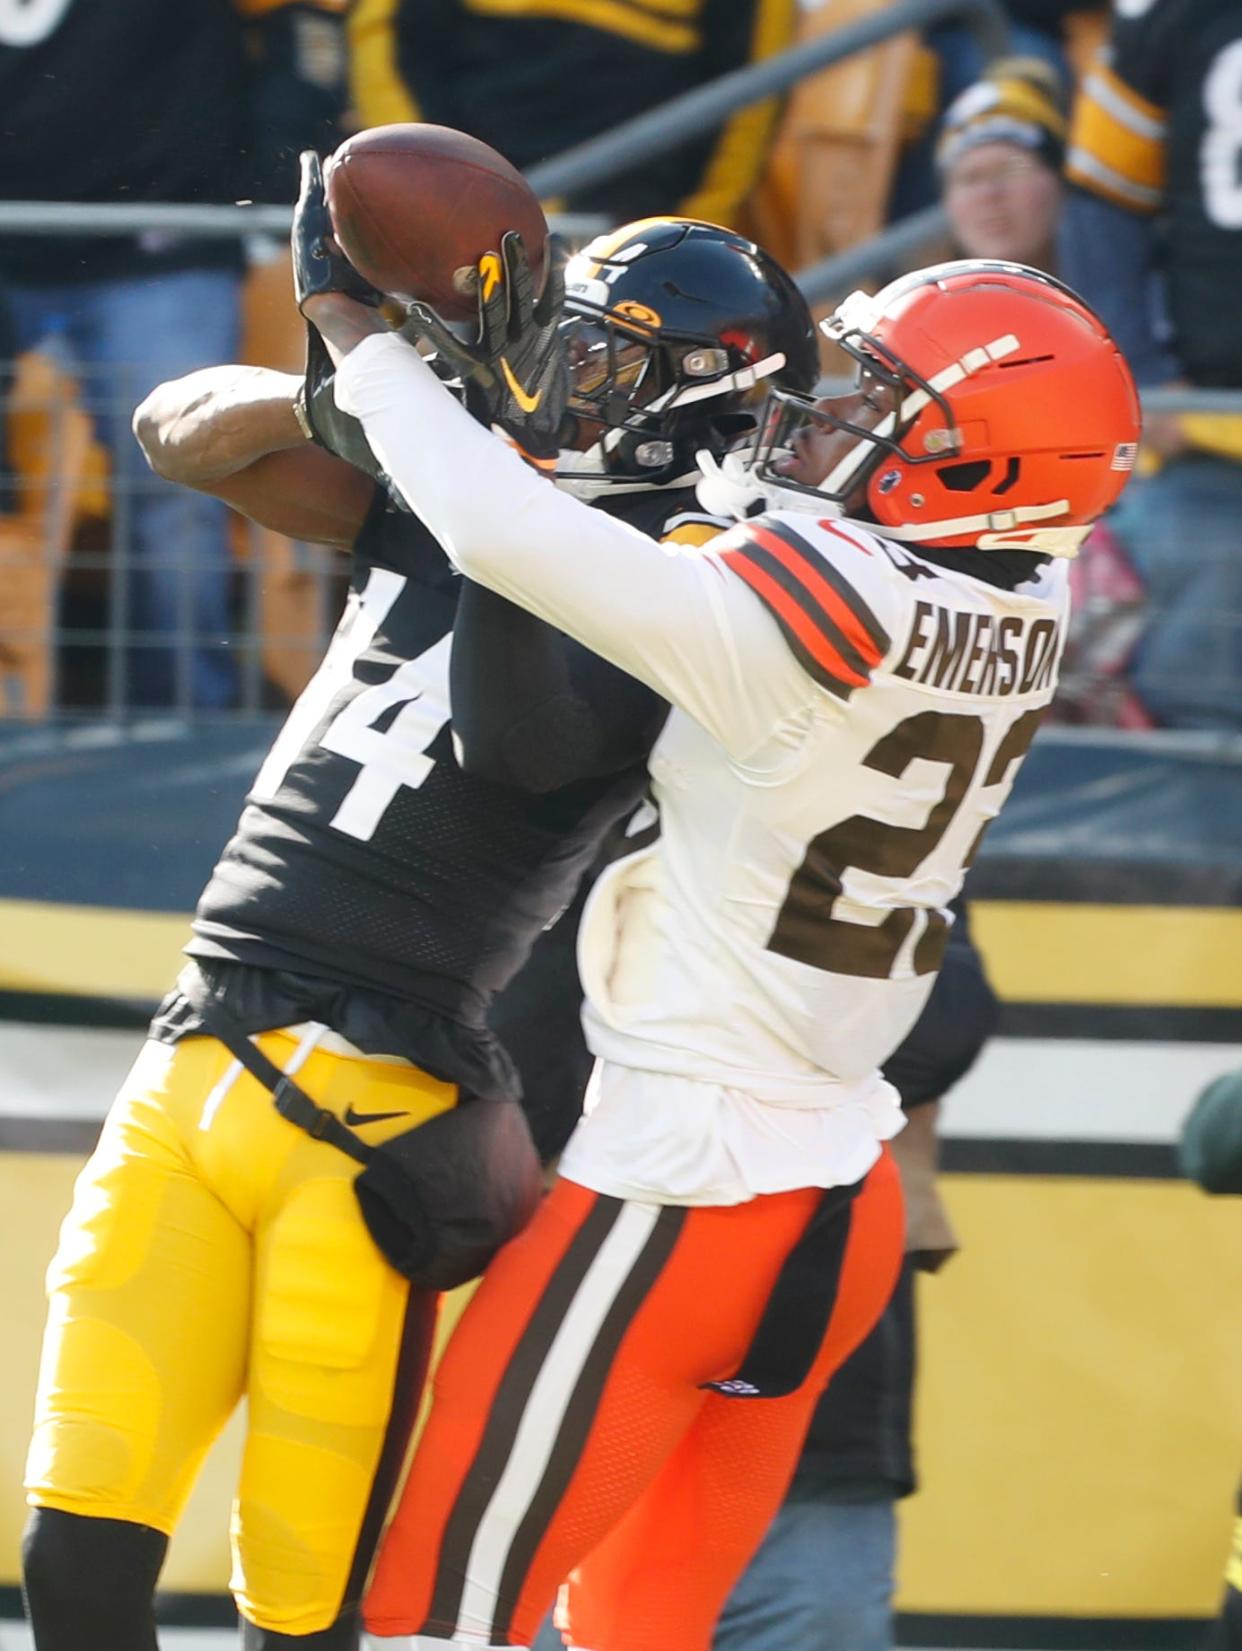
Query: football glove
<point x="319" y="265"/>
<point x="322" y="421"/>
<point x="515" y="375"/>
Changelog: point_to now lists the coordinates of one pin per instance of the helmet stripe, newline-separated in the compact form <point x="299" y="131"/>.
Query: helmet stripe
<point x="605" y="247"/>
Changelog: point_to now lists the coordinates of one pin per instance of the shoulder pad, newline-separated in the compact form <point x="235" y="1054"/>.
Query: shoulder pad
<point x="692" y="527"/>
<point x="813" y="588"/>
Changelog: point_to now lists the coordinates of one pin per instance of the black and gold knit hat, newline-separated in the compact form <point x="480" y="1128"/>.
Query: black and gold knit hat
<point x="1020" y="100"/>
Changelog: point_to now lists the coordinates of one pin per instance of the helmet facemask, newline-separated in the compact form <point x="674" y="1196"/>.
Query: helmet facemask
<point x="908" y="395"/>
<point x="966" y="455"/>
<point x="673" y="328"/>
<point x="642" y="402"/>
<point x="1011" y="419"/>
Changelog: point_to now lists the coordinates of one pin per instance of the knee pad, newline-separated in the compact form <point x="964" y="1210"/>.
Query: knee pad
<point x="90" y="1582"/>
<point x="345" y="1634"/>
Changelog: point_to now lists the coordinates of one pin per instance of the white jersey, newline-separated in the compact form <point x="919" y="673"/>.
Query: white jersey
<point x="847" y="720"/>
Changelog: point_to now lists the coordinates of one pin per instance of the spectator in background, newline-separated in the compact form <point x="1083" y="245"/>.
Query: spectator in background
<point x="999" y="158"/>
<point x="534" y="79"/>
<point x="1153" y="227"/>
<point x="138" y="101"/>
<point x="953" y="62"/>
<point x="1211" y="1154"/>
<point x="1037" y="29"/>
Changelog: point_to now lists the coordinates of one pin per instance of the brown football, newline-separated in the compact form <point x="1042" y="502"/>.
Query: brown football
<point x="415" y="207"/>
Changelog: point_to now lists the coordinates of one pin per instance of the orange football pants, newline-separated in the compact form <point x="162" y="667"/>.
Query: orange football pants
<point x="571" y="1436"/>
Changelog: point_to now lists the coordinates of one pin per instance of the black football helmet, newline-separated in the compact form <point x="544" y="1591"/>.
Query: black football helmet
<point x="675" y="329"/>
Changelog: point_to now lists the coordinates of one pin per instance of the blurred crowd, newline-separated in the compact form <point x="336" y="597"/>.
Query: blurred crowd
<point x="1103" y="147"/>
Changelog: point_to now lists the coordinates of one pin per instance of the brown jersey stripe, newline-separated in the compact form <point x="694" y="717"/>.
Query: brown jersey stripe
<point x="778" y="571"/>
<point x="810" y="647"/>
<point x="826" y="583"/>
<point x="581" y="1411"/>
<point x="506" y="1412"/>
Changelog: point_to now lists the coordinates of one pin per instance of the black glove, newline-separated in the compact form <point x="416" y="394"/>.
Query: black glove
<point x="322" y="420"/>
<point x="319" y="265"/>
<point x="515" y="375"/>
<point x="324" y="423"/>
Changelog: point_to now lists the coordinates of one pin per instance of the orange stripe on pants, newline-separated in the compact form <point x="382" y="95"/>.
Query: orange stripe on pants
<point x="570" y="1427"/>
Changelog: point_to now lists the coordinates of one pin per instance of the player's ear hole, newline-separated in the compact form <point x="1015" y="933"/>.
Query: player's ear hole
<point x="964" y="478"/>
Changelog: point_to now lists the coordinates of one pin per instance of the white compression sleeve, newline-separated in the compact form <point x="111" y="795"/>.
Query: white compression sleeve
<point x="668" y="614"/>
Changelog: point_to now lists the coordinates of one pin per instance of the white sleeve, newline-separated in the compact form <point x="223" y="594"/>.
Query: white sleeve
<point x="667" y="614"/>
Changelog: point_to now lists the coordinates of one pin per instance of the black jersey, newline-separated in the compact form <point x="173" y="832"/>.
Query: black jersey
<point x="1158" y="128"/>
<point x="535" y="79"/>
<point x="142" y="100"/>
<point x="367" y="859"/>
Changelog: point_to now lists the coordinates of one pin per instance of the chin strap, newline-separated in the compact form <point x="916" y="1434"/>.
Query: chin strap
<point x="731" y="487"/>
<point x="586" y="476"/>
<point x="588" y="487"/>
<point x="999" y="530"/>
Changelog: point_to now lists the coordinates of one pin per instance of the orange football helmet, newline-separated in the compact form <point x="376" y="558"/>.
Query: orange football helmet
<point x="1016" y="420"/>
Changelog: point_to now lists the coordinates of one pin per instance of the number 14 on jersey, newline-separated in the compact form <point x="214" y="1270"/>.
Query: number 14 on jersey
<point x="389" y="757"/>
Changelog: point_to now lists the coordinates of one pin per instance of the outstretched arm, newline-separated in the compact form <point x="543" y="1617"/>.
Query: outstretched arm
<point x="675" y="619"/>
<point x="535" y="709"/>
<point x="232" y="432"/>
<point x="683" y="624"/>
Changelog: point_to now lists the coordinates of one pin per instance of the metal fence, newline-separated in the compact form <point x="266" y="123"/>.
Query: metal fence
<point x="122" y="592"/>
<point x="119" y="590"/>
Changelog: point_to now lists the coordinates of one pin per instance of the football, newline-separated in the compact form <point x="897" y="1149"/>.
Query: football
<point x="415" y="207"/>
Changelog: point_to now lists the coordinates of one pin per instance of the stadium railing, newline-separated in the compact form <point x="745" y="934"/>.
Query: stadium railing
<point x="64" y="642"/>
<point x="67" y="559"/>
<point x="703" y="108"/>
<point x="65" y="652"/>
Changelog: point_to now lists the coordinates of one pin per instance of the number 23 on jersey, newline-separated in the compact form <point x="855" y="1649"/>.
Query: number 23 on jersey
<point x="811" y="926"/>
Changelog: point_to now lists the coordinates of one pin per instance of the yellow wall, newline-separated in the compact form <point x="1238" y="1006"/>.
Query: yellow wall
<point x="1037" y="951"/>
<point x="1078" y="1425"/>
<point x="1080" y="1429"/>
<point x="35" y="1190"/>
<point x="89" y="951"/>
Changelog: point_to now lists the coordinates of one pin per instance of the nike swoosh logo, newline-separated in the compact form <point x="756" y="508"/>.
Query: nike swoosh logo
<point x="527" y="403"/>
<point x="489" y="273"/>
<point x="352" y="1117"/>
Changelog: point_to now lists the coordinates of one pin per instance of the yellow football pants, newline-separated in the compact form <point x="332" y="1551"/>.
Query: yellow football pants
<point x="215" y="1250"/>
